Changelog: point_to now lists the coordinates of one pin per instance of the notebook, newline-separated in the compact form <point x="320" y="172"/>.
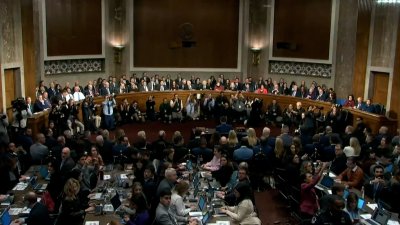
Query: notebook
<point x="6" y="217"/>
<point x="379" y="217"/>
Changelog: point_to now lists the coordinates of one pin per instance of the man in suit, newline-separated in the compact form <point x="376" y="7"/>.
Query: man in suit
<point x="163" y="214"/>
<point x="244" y="153"/>
<point x="38" y="150"/>
<point x="67" y="163"/>
<point x="223" y="128"/>
<point x="295" y="91"/>
<point x="39" y="215"/>
<point x="375" y="185"/>
<point x="105" y="91"/>
<point x="168" y="182"/>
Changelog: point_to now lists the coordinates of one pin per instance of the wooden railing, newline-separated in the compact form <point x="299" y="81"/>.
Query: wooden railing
<point x="374" y="121"/>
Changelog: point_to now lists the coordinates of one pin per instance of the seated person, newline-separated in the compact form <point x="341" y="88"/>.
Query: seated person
<point x="353" y="176"/>
<point x="337" y="189"/>
<point x="224" y="173"/>
<point x="352" y="207"/>
<point x="38" y="214"/>
<point x="243" y="212"/>
<point x="334" y="213"/>
<point x="177" y="206"/>
<point x="141" y="217"/>
<point x="215" y="163"/>
<point x="368" y="107"/>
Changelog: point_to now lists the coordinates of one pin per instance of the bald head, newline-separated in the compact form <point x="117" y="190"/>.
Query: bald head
<point x="30" y="197"/>
<point x="65" y="153"/>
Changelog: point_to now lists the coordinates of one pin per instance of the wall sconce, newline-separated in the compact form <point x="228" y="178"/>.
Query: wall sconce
<point x="256" y="55"/>
<point x="118" y="53"/>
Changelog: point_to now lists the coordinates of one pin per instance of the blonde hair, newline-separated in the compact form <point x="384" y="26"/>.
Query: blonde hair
<point x="279" y="149"/>
<point x="252" y="137"/>
<point x="356" y="145"/>
<point x="232" y="138"/>
<point x="71" y="188"/>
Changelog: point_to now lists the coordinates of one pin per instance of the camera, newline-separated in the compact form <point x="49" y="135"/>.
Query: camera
<point x="19" y="104"/>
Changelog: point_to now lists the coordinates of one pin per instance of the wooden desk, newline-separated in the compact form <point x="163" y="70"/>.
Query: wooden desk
<point x="372" y="120"/>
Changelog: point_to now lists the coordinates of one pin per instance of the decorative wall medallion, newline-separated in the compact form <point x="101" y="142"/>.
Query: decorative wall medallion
<point x="300" y="68"/>
<point x="73" y="66"/>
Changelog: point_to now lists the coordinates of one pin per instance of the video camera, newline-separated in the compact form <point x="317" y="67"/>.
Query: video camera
<point x="19" y="104"/>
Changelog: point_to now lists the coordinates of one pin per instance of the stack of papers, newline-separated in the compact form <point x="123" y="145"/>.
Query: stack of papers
<point x="96" y="196"/>
<point x="223" y="222"/>
<point x="366" y="216"/>
<point x="20" y="186"/>
<point x="16" y="211"/>
<point x="372" y="206"/>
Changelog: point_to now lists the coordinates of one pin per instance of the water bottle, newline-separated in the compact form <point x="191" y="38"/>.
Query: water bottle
<point x="362" y="193"/>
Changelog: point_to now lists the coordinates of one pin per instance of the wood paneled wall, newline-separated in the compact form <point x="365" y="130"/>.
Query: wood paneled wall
<point x="74" y="27"/>
<point x="1" y="91"/>
<point x="395" y="97"/>
<point x="360" y="67"/>
<point x="158" y="33"/>
<point x="305" y="26"/>
<point x="28" y="42"/>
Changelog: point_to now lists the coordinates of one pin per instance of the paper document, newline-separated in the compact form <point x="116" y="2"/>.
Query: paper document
<point x="372" y="206"/>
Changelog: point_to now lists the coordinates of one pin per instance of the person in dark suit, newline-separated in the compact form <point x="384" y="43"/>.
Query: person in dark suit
<point x="38" y="214"/>
<point x="67" y="163"/>
<point x="375" y="185"/>
<point x="223" y="128"/>
<point x="168" y="182"/>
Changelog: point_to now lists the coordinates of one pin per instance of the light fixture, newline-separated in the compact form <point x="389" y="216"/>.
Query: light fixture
<point x="388" y="1"/>
<point x="256" y="55"/>
<point x="118" y="53"/>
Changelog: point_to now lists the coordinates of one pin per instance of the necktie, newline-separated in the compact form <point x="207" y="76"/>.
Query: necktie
<point x="109" y="109"/>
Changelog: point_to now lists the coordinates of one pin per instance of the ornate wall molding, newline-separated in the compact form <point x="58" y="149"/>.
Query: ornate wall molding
<point x="300" y="68"/>
<point x="73" y="66"/>
<point x="7" y="31"/>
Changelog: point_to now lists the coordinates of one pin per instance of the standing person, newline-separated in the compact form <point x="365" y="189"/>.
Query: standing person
<point x="177" y="107"/>
<point x="165" y="111"/>
<point x="108" y="112"/>
<point x="243" y="212"/>
<point x="72" y="211"/>
<point x="309" y="204"/>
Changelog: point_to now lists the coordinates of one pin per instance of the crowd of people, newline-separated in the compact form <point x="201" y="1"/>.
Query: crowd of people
<point x="310" y="141"/>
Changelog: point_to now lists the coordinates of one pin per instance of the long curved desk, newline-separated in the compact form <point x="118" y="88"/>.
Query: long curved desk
<point x="374" y="121"/>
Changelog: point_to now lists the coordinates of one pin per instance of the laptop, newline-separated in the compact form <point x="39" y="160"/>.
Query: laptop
<point x="360" y="203"/>
<point x="379" y="217"/>
<point x="201" y="205"/>
<point x="6" y="217"/>
<point x="35" y="186"/>
<point x="115" y="202"/>
<point x="44" y="172"/>
<point x="325" y="183"/>
<point x="205" y="218"/>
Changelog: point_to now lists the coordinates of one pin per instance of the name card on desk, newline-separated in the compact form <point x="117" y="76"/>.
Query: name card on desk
<point x="223" y="222"/>
<point x="107" y="177"/>
<point x="92" y="223"/>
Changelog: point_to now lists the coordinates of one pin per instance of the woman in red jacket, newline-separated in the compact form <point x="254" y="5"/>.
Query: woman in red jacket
<point x="309" y="200"/>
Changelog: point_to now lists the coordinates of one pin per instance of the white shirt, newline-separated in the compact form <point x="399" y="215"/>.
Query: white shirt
<point x="78" y="96"/>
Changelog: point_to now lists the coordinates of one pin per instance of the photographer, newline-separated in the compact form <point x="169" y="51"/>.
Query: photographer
<point x="90" y="120"/>
<point x="20" y="114"/>
<point x="108" y="112"/>
<point x="177" y="107"/>
<point x="73" y="121"/>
